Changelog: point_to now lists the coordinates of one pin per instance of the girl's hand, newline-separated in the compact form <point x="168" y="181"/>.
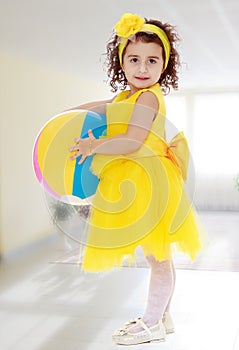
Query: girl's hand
<point x="82" y="147"/>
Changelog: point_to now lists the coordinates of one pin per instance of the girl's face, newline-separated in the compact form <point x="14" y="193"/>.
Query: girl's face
<point x="142" y="64"/>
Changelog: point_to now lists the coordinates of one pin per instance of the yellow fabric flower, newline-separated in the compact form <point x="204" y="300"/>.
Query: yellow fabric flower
<point x="128" y="25"/>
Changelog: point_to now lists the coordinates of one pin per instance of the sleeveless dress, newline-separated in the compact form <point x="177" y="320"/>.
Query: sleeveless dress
<point x="140" y="199"/>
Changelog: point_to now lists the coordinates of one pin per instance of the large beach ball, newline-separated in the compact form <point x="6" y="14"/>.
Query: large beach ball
<point x="61" y="177"/>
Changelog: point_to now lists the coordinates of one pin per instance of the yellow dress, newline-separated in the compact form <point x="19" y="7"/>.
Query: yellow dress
<point x="140" y="199"/>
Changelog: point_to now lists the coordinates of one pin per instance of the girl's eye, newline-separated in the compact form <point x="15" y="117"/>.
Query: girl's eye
<point x="134" y="59"/>
<point x="152" y="61"/>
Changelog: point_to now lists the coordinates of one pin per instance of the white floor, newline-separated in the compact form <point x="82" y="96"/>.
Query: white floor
<point x="45" y="306"/>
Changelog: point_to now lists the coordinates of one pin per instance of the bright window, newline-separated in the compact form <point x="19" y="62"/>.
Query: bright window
<point x="176" y="115"/>
<point x="215" y="133"/>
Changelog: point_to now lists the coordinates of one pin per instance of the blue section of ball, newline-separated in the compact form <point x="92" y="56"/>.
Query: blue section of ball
<point x="85" y="183"/>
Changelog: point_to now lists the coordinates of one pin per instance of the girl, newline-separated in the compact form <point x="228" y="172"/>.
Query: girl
<point x="140" y="200"/>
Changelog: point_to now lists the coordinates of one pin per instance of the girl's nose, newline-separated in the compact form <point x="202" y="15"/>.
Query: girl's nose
<point x="143" y="67"/>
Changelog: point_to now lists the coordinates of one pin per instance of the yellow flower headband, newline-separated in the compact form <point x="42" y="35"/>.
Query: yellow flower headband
<point x="130" y="24"/>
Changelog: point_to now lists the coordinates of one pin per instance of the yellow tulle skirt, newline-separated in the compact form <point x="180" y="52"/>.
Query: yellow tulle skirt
<point x="139" y="202"/>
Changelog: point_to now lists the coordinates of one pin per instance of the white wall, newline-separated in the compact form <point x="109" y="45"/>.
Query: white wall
<point x="30" y="95"/>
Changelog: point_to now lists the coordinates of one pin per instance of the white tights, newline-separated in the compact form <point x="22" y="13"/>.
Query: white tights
<point x="161" y="288"/>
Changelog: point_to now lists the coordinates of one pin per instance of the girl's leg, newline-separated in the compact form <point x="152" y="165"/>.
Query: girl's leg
<point x="160" y="291"/>
<point x="167" y="309"/>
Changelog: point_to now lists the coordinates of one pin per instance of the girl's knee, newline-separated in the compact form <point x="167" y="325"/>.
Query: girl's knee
<point x="164" y="264"/>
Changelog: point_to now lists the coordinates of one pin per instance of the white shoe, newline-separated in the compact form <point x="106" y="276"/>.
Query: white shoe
<point x="167" y="322"/>
<point x="148" y="334"/>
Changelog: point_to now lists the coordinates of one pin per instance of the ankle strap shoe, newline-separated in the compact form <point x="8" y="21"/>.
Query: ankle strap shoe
<point x="155" y="333"/>
<point x="167" y="322"/>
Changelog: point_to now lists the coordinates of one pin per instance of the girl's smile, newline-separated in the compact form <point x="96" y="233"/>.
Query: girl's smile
<point x="141" y="78"/>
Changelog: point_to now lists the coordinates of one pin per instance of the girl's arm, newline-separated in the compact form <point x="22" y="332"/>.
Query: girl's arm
<point x="139" y="126"/>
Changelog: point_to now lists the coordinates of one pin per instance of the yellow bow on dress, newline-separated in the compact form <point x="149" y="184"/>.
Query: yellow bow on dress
<point x="178" y="147"/>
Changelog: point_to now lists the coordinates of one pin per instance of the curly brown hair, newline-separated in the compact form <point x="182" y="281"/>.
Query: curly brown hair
<point x="169" y="77"/>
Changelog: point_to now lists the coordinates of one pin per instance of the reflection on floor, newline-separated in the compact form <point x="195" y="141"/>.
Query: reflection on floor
<point x="46" y="306"/>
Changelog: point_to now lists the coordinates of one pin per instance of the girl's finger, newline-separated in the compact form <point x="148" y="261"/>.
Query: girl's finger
<point x="82" y="159"/>
<point x="74" y="148"/>
<point x="74" y="156"/>
<point x="90" y="134"/>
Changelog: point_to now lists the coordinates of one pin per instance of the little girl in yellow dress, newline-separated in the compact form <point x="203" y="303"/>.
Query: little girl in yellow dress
<point x="140" y="199"/>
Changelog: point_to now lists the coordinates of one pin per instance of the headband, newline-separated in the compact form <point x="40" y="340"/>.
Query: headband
<point x="130" y="24"/>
